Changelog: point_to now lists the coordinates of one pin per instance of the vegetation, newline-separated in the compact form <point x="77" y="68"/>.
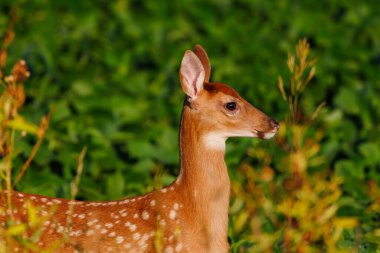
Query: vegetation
<point x="104" y="77"/>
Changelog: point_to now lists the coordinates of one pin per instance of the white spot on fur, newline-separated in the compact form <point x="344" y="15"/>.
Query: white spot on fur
<point x="60" y="229"/>
<point x="132" y="227"/>
<point x="136" y="236"/>
<point x="172" y="214"/>
<point x="90" y="232"/>
<point x="125" y="201"/>
<point x="153" y="202"/>
<point x="119" y="239"/>
<point x="144" y="238"/>
<point x="57" y="201"/>
<point x="78" y="233"/>
<point x="145" y="215"/>
<point x="178" y="248"/>
<point x="92" y="222"/>
<point x="169" y="249"/>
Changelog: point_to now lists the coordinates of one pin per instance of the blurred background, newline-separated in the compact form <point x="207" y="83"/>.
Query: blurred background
<point x="108" y="70"/>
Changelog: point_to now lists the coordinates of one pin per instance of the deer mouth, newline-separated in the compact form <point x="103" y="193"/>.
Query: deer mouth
<point x="265" y="135"/>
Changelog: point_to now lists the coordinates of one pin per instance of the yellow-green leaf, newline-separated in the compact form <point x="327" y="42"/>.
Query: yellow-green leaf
<point x="20" y="124"/>
<point x="32" y="214"/>
<point x="16" y="229"/>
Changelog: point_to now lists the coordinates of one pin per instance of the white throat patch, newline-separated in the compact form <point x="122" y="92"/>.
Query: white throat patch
<point x="215" y="141"/>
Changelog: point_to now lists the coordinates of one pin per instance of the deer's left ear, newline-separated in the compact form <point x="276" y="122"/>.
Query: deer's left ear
<point x="192" y="74"/>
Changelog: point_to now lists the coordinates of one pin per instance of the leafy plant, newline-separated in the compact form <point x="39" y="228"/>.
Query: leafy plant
<point x="299" y="210"/>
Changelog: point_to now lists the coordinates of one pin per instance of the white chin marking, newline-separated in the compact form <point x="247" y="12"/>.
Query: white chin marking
<point x="215" y="141"/>
<point x="269" y="135"/>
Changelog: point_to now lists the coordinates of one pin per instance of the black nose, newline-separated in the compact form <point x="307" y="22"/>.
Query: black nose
<point x="274" y="123"/>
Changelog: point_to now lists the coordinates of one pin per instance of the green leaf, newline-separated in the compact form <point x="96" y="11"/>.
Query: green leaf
<point x="347" y="168"/>
<point x="115" y="186"/>
<point x="348" y="100"/>
<point x="140" y="149"/>
<point x="370" y="152"/>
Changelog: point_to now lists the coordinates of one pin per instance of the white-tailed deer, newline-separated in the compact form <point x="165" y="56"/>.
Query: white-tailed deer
<point x="191" y="214"/>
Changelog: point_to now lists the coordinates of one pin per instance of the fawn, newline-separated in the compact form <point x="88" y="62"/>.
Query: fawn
<point x="191" y="214"/>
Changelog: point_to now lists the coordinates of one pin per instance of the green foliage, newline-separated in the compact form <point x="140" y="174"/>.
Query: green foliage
<point x="108" y="70"/>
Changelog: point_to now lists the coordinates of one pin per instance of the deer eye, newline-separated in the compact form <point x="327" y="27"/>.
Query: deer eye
<point x="231" y="106"/>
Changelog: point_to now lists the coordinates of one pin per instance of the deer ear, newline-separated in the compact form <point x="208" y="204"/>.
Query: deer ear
<point x="192" y="74"/>
<point x="202" y="55"/>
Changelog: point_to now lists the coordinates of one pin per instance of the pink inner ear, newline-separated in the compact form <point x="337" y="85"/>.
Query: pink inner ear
<point x="193" y="80"/>
<point x="192" y="74"/>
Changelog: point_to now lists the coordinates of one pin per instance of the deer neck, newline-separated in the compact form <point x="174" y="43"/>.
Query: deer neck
<point x="201" y="156"/>
<point x="204" y="176"/>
